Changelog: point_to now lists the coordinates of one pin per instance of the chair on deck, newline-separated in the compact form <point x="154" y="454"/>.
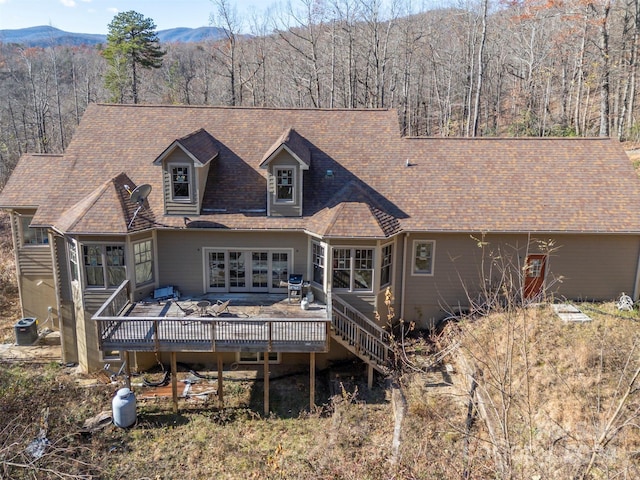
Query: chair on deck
<point x="220" y="307"/>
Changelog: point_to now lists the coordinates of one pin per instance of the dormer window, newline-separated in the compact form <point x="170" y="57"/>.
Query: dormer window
<point x="180" y="183"/>
<point x="284" y="185"/>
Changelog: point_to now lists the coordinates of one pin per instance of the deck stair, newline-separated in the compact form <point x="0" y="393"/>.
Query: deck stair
<point x="360" y="336"/>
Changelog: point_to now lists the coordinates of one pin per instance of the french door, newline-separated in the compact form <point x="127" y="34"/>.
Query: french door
<point x="264" y="271"/>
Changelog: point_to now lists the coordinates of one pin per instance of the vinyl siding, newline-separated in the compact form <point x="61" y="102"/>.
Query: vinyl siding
<point x="457" y="270"/>
<point x="591" y="267"/>
<point x="181" y="259"/>
<point x="594" y="267"/>
<point x="181" y="208"/>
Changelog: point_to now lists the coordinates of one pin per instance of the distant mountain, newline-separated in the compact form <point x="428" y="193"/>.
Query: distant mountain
<point x="45" y="36"/>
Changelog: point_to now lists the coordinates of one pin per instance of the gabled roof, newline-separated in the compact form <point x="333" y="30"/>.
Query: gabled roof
<point x="295" y="145"/>
<point x="199" y="145"/>
<point x="452" y="184"/>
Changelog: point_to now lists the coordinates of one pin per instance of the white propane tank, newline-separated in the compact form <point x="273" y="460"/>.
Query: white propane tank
<point x="304" y="304"/>
<point x="124" y="408"/>
<point x="310" y="297"/>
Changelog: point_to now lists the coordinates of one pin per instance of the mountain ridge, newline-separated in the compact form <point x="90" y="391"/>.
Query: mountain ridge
<point x="46" y="35"/>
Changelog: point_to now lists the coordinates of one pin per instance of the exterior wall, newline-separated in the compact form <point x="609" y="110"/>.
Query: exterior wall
<point x="65" y="313"/>
<point x="592" y="267"/>
<point x="181" y="208"/>
<point x="36" y="283"/>
<point x="457" y="270"/>
<point x="294" y="209"/>
<point x="181" y="260"/>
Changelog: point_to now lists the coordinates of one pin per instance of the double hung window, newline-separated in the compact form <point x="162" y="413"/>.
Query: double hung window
<point x="353" y="268"/>
<point x="284" y="185"/>
<point x="32" y="236"/>
<point x="180" y="183"/>
<point x="143" y="261"/>
<point x="423" y="253"/>
<point x="104" y="265"/>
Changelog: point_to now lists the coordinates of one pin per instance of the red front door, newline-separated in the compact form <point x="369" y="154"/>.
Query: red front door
<point x="534" y="275"/>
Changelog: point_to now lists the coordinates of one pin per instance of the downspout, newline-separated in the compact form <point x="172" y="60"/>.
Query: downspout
<point x="404" y="274"/>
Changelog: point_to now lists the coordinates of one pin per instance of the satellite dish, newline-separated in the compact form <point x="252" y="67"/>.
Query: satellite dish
<point x="138" y="195"/>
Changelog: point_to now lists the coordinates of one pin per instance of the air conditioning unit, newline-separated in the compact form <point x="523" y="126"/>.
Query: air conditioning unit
<point x="26" y="330"/>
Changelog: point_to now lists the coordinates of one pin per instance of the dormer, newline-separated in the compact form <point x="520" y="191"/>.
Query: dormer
<point x="285" y="163"/>
<point x="185" y="167"/>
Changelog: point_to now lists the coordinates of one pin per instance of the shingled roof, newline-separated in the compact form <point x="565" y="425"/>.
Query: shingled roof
<point x="450" y="185"/>
<point x="199" y="145"/>
<point x="294" y="142"/>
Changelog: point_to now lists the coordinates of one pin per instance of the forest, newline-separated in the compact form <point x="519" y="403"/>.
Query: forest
<point x="467" y="68"/>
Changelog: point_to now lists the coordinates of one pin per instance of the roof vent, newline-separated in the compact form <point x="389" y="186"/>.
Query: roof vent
<point x="329" y="174"/>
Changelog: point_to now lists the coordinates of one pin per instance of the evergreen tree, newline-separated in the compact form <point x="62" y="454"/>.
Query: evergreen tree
<point x="131" y="42"/>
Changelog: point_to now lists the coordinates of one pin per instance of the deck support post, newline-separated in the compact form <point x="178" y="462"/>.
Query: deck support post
<point x="220" y="390"/>
<point x="370" y="376"/>
<point x="174" y="381"/>
<point x="127" y="370"/>
<point x="312" y="381"/>
<point x="265" y="359"/>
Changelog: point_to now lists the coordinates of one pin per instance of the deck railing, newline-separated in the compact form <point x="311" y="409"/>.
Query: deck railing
<point x="197" y="334"/>
<point x="192" y="334"/>
<point x="366" y="338"/>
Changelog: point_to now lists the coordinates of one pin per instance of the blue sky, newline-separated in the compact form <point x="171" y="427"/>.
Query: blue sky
<point x="93" y="16"/>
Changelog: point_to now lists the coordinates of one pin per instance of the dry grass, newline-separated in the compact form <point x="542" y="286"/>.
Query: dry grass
<point x="551" y="388"/>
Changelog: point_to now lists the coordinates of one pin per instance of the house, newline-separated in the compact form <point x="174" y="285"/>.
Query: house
<point x="226" y="203"/>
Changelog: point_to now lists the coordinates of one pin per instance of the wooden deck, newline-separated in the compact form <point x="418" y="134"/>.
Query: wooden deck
<point x="252" y="323"/>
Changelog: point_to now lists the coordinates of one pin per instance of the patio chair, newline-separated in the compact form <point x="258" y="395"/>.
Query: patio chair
<point x="220" y="307"/>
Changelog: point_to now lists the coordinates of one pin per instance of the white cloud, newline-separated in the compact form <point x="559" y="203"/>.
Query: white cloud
<point x="113" y="10"/>
<point x="68" y="3"/>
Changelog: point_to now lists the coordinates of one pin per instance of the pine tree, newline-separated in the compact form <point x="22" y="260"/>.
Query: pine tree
<point x="131" y="42"/>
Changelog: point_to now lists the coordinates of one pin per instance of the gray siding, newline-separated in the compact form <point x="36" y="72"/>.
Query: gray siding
<point x="32" y="260"/>
<point x="457" y="270"/>
<point x="182" y="208"/>
<point x="592" y="267"/>
<point x="181" y="260"/>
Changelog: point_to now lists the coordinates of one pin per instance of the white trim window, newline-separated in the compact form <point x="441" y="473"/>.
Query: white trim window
<point x="257" y="357"/>
<point x="285" y="184"/>
<point x="74" y="262"/>
<point x="180" y="182"/>
<point x="143" y="261"/>
<point x="423" y="256"/>
<point x="104" y="265"/>
<point x="32" y="236"/>
<point x="386" y="264"/>
<point x="317" y="258"/>
<point x="353" y="269"/>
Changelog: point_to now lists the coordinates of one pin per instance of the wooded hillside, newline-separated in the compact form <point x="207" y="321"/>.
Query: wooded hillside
<point x="475" y="69"/>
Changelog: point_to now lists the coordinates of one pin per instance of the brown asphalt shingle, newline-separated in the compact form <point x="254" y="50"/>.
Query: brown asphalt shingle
<point x="457" y="185"/>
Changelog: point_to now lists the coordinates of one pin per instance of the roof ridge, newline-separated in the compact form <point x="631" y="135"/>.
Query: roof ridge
<point x="228" y="107"/>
